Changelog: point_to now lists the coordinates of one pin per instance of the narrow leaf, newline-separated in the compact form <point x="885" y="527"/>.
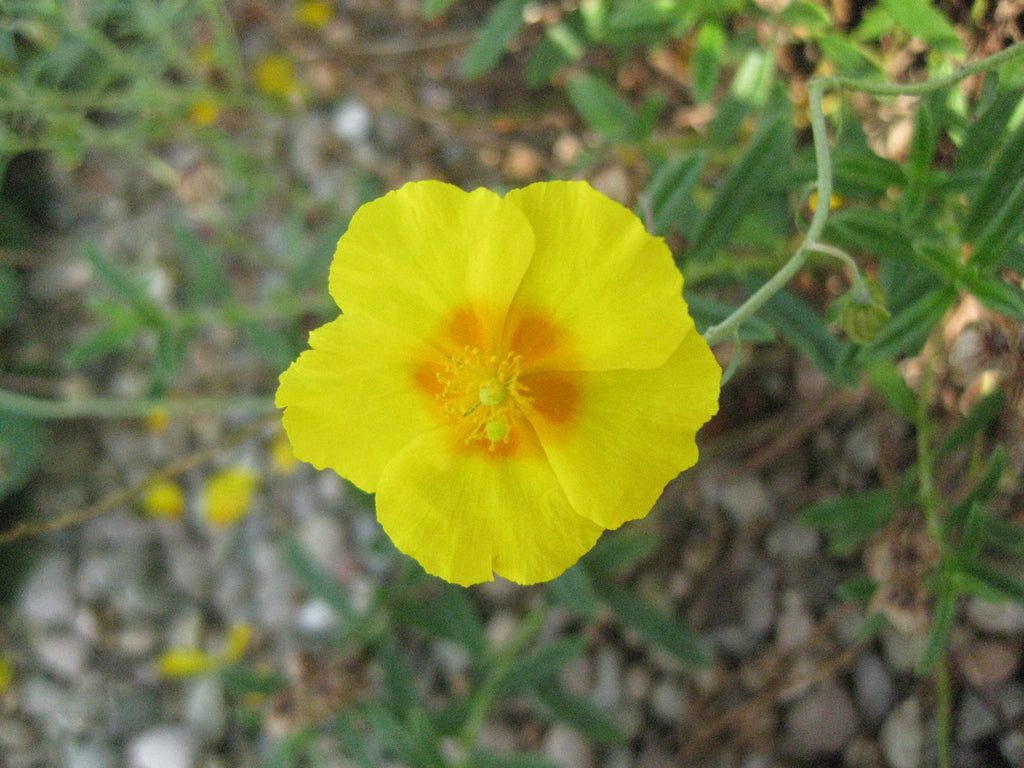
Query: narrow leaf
<point x="769" y="150"/>
<point x="500" y="29"/>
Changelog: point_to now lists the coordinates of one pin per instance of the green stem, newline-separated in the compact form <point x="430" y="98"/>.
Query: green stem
<point x="482" y="702"/>
<point x="731" y="324"/>
<point x="816" y="91"/>
<point x="128" y="408"/>
<point x="943" y="710"/>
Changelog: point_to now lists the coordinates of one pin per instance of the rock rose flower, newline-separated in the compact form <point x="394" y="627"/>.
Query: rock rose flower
<point x="510" y="375"/>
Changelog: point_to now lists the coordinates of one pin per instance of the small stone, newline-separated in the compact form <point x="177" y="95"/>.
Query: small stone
<point x="64" y="655"/>
<point x="791" y="540"/>
<point x="47" y="598"/>
<point x="745" y="499"/>
<point x="873" y="687"/>
<point x="564" y="746"/>
<point x="668" y="702"/>
<point x="987" y="663"/>
<point x="352" y="122"/>
<point x="206" y="709"/>
<point x="607" y="689"/>
<point x="1012" y="747"/>
<point x="795" y="624"/>
<point x="975" y="720"/>
<point x="902" y="735"/>
<point x="997" y="618"/>
<point x="164" y="746"/>
<point x="89" y="754"/>
<point x="820" y="723"/>
<point x="902" y="650"/>
<point x="757" y="601"/>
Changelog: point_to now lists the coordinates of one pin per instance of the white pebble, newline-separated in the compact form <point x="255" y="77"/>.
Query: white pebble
<point x="165" y="746"/>
<point x="902" y="735"/>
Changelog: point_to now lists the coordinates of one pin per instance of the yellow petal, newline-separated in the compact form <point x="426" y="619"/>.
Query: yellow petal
<point x="423" y="252"/>
<point x="467" y="514"/>
<point x="633" y="432"/>
<point x="352" y="401"/>
<point x="163" y="499"/>
<point x="185" y="662"/>
<point x="228" y="495"/>
<point x="597" y="275"/>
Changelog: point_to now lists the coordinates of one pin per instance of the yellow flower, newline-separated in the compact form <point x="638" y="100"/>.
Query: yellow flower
<point x="164" y="499"/>
<point x="228" y="496"/>
<point x="314" y="13"/>
<point x="191" y="662"/>
<point x="6" y="671"/>
<point x="204" y="111"/>
<point x="185" y="662"/>
<point x="275" y="76"/>
<point x="511" y="375"/>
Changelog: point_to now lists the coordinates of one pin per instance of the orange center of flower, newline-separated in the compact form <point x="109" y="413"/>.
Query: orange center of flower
<point x="485" y="391"/>
<point x="494" y="398"/>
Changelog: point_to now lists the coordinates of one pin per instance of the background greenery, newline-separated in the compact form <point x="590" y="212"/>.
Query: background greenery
<point x="702" y="109"/>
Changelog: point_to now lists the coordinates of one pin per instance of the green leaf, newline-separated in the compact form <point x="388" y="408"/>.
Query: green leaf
<point x="907" y="331"/>
<point x="988" y="583"/>
<point x="1003" y="229"/>
<point x="658" y="627"/>
<point x="985" y="133"/>
<point x="207" y="280"/>
<point x="849" y="520"/>
<point x="1004" y="175"/>
<point x="887" y="380"/>
<point x="442" y="610"/>
<point x="432" y="8"/>
<point x="982" y="415"/>
<point x="921" y="19"/>
<point x="670" y="193"/>
<point x="707" y="312"/>
<point x="942" y="625"/>
<point x="849" y="59"/>
<point x="812" y="17"/>
<point x="620" y="550"/>
<point x="500" y="29"/>
<point x="10" y="294"/>
<point x="577" y="713"/>
<point x="528" y="672"/>
<point x="769" y="151"/>
<point x="573" y="590"/>
<point x="706" y="62"/>
<point x="512" y="760"/>
<point x="123" y="286"/>
<point x="316" y="580"/>
<point x="807" y="331"/>
<point x="99" y="345"/>
<point x="397" y="678"/>
<point x="21" y="447"/>
<point x="602" y="108"/>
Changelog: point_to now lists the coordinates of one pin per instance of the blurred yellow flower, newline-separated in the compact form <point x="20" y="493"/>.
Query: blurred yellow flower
<point x="228" y="496"/>
<point x="6" y="672"/>
<point x="511" y="375"/>
<point x="314" y="13"/>
<point x="204" y="111"/>
<point x="185" y="662"/>
<point x="163" y="499"/>
<point x="282" y="457"/>
<point x="275" y="76"/>
<point x="191" y="662"/>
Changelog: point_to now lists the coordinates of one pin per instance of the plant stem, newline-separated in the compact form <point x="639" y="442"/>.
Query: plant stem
<point x="131" y="408"/>
<point x="816" y="91"/>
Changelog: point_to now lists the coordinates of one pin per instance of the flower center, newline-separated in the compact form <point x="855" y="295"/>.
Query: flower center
<point x="484" y="391"/>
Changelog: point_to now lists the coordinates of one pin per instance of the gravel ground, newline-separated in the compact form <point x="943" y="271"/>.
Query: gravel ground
<point x="791" y="682"/>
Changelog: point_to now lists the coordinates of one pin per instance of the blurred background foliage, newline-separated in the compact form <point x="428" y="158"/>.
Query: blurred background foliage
<point x="702" y="109"/>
